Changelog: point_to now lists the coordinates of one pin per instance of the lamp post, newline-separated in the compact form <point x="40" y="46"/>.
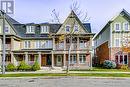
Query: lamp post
<point x="4" y="51"/>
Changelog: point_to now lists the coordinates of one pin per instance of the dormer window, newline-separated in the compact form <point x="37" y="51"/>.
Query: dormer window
<point x="76" y="28"/>
<point x="67" y="28"/>
<point x="44" y="29"/>
<point x="30" y="29"/>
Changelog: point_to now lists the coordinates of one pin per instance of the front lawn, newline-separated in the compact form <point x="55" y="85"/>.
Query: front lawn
<point x="98" y="69"/>
<point x="63" y="74"/>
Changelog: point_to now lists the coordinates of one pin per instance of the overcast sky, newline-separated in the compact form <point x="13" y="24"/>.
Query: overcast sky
<point x="39" y="11"/>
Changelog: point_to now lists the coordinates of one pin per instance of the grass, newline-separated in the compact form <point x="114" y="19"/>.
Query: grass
<point x="97" y="69"/>
<point x="63" y="74"/>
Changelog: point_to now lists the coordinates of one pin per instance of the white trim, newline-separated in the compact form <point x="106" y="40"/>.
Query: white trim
<point x="115" y="42"/>
<point x="124" y="26"/>
<point x="30" y="29"/>
<point x="119" y="26"/>
<point x="82" y="62"/>
<point x="46" y="27"/>
<point x="66" y="26"/>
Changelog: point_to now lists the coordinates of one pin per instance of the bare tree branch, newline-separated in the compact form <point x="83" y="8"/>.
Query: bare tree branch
<point x="82" y="15"/>
<point x="55" y="15"/>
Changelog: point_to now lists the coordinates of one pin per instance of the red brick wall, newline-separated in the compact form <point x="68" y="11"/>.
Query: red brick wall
<point x="102" y="52"/>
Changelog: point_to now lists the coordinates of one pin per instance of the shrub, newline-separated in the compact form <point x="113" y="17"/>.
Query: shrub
<point x="36" y="66"/>
<point x="122" y="66"/>
<point x="24" y="67"/>
<point x="10" y="67"/>
<point x="109" y="64"/>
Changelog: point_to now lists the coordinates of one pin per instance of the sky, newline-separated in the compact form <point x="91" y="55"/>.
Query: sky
<point x="39" y="11"/>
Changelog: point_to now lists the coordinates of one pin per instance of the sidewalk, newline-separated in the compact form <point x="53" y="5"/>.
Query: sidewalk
<point x="60" y="71"/>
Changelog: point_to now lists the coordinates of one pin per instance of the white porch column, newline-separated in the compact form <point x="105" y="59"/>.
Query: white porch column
<point x="52" y="60"/>
<point x="64" y="60"/>
<point x="65" y="43"/>
<point x="78" y="59"/>
<point x="12" y="57"/>
<point x="26" y="57"/>
<point x="78" y="43"/>
<point x="12" y="43"/>
<point x="39" y="58"/>
<point x="53" y="43"/>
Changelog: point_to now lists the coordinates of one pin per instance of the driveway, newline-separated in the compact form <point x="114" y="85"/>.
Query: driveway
<point x="64" y="82"/>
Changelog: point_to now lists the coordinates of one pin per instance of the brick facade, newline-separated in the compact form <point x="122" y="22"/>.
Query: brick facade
<point x="102" y="52"/>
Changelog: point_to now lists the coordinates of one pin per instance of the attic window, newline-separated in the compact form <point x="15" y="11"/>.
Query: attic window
<point x="44" y="29"/>
<point x="30" y="29"/>
<point x="67" y="28"/>
<point x="76" y="28"/>
<point x="7" y="29"/>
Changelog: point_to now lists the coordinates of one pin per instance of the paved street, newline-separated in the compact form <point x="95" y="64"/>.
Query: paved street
<point x="64" y="82"/>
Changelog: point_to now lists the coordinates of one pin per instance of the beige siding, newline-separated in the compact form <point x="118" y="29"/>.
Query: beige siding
<point x="0" y="44"/>
<point x="70" y="21"/>
<point x="16" y="45"/>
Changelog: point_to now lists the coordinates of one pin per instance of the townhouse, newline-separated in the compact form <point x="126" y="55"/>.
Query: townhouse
<point x="108" y="43"/>
<point x="31" y="42"/>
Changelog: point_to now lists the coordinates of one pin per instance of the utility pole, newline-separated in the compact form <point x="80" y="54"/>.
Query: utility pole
<point x="4" y="51"/>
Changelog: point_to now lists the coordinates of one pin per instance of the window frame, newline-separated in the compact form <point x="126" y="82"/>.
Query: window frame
<point x="73" y="60"/>
<point x="116" y="28"/>
<point x="115" y="45"/>
<point x="66" y="28"/>
<point x="77" y="28"/>
<point x="44" y="29"/>
<point x="118" y="60"/>
<point x="81" y="56"/>
<point x="7" y="27"/>
<point x="124" y="28"/>
<point x="30" y="29"/>
<point x="27" y="44"/>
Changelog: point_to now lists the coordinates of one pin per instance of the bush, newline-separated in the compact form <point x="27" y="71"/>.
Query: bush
<point x="36" y="66"/>
<point x="10" y="67"/>
<point x="24" y="67"/>
<point x="122" y="66"/>
<point x="109" y="64"/>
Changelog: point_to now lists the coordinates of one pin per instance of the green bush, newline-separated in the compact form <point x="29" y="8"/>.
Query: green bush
<point x="10" y="67"/>
<point x="24" y="67"/>
<point x="36" y="66"/>
<point x="109" y="64"/>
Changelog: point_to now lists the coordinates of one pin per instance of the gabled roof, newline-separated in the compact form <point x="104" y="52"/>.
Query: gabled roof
<point x="123" y="12"/>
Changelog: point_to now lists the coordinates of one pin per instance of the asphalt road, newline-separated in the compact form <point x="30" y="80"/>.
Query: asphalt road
<point x="64" y="82"/>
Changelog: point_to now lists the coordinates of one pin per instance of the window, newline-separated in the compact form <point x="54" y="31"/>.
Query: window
<point x="44" y="29"/>
<point x="38" y="44"/>
<point x="43" y="44"/>
<point x="7" y="29"/>
<point x="117" y="27"/>
<point x="67" y="28"/>
<point x="121" y="59"/>
<point x="27" y="44"/>
<point x="117" y="42"/>
<point x="126" y="26"/>
<point x="30" y="29"/>
<point x="73" y="59"/>
<point x="82" y="59"/>
<point x="75" y="28"/>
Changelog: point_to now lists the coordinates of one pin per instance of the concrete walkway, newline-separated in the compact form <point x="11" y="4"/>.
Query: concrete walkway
<point x="60" y="71"/>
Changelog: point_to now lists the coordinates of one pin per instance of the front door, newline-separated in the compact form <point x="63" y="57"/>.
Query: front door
<point x="48" y="60"/>
<point x="59" y="60"/>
